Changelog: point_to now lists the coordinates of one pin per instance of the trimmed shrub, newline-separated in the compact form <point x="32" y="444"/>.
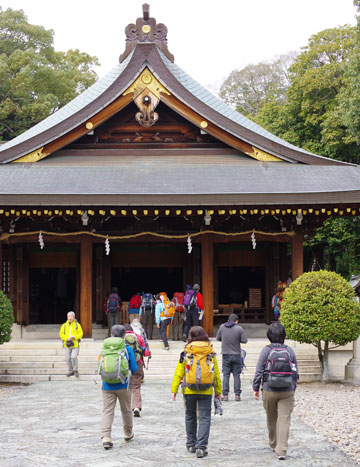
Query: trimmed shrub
<point x="6" y="318"/>
<point x="320" y="308"/>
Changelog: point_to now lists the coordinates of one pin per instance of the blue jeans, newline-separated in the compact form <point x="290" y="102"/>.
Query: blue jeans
<point x="164" y="323"/>
<point x="198" y="438"/>
<point x="231" y="363"/>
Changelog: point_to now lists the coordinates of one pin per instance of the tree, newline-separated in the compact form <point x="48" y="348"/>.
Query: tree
<point x="35" y="80"/>
<point x="311" y="117"/>
<point x="250" y="88"/>
<point x="340" y="238"/>
<point x="320" y="308"/>
<point x="350" y="94"/>
<point x="6" y="318"/>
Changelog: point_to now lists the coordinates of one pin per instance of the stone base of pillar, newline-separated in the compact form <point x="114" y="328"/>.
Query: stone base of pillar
<point x="352" y="371"/>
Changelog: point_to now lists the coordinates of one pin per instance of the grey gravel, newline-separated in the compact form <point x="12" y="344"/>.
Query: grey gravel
<point x="334" y="411"/>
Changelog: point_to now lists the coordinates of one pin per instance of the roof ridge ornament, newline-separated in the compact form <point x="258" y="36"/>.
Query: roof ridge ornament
<point x="146" y="30"/>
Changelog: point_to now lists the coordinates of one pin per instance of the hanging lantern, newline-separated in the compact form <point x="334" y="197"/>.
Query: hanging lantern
<point x="41" y="240"/>
<point x="189" y="244"/>
<point x="107" y="246"/>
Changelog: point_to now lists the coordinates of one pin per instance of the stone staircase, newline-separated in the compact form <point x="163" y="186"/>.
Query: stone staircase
<point x="42" y="359"/>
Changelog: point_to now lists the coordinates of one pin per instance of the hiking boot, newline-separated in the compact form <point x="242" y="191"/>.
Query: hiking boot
<point x="76" y="373"/>
<point x="191" y="449"/>
<point x="201" y="452"/>
<point x="184" y="337"/>
<point x="70" y="373"/>
<point x="136" y="412"/>
<point x="281" y="458"/>
<point x="166" y="348"/>
<point x="129" y="438"/>
<point x="225" y="398"/>
<point x="237" y="397"/>
<point x="107" y="443"/>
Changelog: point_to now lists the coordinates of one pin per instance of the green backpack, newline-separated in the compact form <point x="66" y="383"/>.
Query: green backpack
<point x="131" y="340"/>
<point x="113" y="361"/>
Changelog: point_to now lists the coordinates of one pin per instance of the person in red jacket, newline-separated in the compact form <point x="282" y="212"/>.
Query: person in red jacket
<point x="192" y="312"/>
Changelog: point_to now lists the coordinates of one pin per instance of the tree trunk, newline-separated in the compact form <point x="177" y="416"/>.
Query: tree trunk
<point x="324" y="360"/>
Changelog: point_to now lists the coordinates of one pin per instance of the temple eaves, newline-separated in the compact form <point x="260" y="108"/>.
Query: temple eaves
<point x="146" y="30"/>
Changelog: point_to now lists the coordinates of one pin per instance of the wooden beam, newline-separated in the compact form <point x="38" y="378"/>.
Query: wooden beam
<point x="213" y="130"/>
<point x="86" y="285"/>
<point x="12" y="293"/>
<point x="95" y="120"/>
<point x="207" y="262"/>
<point x="297" y="255"/>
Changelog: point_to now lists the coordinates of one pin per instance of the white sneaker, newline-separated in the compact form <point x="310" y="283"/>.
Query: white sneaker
<point x="136" y="412"/>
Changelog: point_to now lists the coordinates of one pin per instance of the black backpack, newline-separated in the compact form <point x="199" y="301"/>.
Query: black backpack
<point x="148" y="301"/>
<point x="280" y="370"/>
<point x="113" y="303"/>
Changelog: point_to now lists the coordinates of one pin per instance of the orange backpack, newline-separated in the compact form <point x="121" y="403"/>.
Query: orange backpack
<point x="169" y="311"/>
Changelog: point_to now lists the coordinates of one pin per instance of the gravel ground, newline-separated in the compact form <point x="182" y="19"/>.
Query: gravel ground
<point x="333" y="410"/>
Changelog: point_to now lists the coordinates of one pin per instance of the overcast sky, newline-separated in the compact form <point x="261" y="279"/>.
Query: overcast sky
<point x="208" y="38"/>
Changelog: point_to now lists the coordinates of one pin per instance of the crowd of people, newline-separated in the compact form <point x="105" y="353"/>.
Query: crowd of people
<point x="122" y="360"/>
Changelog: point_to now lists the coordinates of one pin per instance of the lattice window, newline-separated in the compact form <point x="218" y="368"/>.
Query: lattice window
<point x="6" y="276"/>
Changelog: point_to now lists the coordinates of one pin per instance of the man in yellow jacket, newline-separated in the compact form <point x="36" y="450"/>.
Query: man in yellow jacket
<point x="197" y="393"/>
<point x="71" y="333"/>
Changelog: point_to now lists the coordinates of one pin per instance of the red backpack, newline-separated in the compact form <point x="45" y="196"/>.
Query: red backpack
<point x="135" y="301"/>
<point x="179" y="301"/>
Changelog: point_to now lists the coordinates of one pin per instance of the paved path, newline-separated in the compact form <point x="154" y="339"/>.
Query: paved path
<point x="57" y="424"/>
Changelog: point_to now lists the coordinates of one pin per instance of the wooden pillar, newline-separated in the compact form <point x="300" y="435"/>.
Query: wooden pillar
<point x="25" y="291"/>
<point x="207" y="283"/>
<point x="1" y="266"/>
<point x="283" y="259"/>
<point x="86" y="285"/>
<point x="12" y="291"/>
<point x="297" y="255"/>
<point x="19" y="285"/>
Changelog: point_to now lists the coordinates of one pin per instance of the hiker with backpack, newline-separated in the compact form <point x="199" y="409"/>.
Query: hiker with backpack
<point x="277" y="372"/>
<point x="147" y="313"/>
<point x="199" y="371"/>
<point x="231" y="336"/>
<point x="134" y="306"/>
<point x="177" y="324"/>
<point x="71" y="333"/>
<point x="139" y="331"/>
<point x="193" y="304"/>
<point x="113" y="307"/>
<point x="136" y="342"/>
<point x="116" y="361"/>
<point x="164" y="313"/>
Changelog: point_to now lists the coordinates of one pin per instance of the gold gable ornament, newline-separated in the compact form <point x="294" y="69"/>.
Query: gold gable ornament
<point x="32" y="157"/>
<point x="262" y="156"/>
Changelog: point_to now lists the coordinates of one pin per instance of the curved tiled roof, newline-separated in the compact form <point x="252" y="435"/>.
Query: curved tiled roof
<point x="184" y="88"/>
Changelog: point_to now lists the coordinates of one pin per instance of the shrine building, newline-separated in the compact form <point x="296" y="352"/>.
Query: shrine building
<point x="149" y="182"/>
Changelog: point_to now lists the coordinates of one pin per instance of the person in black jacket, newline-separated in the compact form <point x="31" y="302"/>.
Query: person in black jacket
<point x="278" y="401"/>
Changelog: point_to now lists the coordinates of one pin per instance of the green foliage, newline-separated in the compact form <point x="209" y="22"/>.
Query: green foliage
<point x="340" y="238"/>
<point x="312" y="117"/>
<point x="35" y="80"/>
<point x="6" y="318"/>
<point x="349" y="97"/>
<point x="321" y="306"/>
<point x="255" y="85"/>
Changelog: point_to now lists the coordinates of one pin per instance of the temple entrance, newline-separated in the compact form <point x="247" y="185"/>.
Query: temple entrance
<point x="52" y="293"/>
<point x="151" y="279"/>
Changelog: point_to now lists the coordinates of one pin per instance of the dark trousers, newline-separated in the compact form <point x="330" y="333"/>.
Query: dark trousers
<point x="164" y="323"/>
<point x="231" y="363"/>
<point x="147" y="320"/>
<point x="191" y="319"/>
<point x="194" y="437"/>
